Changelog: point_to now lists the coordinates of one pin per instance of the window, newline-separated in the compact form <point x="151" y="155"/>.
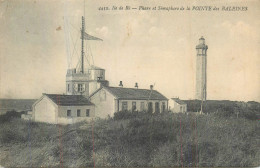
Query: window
<point x="80" y="87"/>
<point x="142" y="106"/>
<point x="87" y="112"/>
<point x="68" y="113"/>
<point x="124" y="106"/>
<point x="181" y="108"/>
<point x="68" y="87"/>
<point x="133" y="106"/>
<point x="78" y="113"/>
<point x="101" y="74"/>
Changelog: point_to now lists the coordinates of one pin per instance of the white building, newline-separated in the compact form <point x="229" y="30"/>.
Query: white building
<point x="109" y="100"/>
<point x="85" y="83"/>
<point x="89" y="83"/>
<point x="177" y="106"/>
<point x="62" y="109"/>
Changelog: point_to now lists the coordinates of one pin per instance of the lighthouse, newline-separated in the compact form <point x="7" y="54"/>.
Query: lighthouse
<point x="201" y="70"/>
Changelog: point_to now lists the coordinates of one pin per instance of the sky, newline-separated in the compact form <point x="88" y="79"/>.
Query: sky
<point x="37" y="40"/>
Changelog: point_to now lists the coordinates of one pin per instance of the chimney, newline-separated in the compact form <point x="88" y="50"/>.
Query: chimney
<point x="136" y="85"/>
<point x="151" y="87"/>
<point x="121" y="84"/>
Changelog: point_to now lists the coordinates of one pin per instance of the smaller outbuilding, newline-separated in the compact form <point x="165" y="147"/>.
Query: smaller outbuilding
<point x="177" y="106"/>
<point x="62" y="109"/>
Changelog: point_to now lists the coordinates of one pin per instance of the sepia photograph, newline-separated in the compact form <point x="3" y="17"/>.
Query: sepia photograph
<point x="129" y="83"/>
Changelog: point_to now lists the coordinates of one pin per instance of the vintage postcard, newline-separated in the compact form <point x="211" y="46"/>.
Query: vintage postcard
<point x="129" y="83"/>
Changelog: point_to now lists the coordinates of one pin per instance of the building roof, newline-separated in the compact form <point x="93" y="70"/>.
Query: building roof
<point x="69" y="100"/>
<point x="177" y="100"/>
<point x="202" y="38"/>
<point x="135" y="94"/>
<point x="96" y="68"/>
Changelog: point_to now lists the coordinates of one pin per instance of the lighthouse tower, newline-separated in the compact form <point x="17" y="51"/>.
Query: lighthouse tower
<point x="201" y="70"/>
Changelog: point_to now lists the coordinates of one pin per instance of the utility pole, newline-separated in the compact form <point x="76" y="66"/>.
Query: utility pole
<point x="201" y="106"/>
<point x="202" y="98"/>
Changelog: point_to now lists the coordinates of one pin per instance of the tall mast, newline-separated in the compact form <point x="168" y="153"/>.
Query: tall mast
<point x="82" y="45"/>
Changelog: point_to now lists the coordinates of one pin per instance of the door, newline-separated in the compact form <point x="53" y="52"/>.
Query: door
<point x="150" y="107"/>
<point x="157" y="107"/>
<point x="163" y="106"/>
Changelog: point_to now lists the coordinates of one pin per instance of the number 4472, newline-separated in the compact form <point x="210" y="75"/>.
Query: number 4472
<point x="103" y="8"/>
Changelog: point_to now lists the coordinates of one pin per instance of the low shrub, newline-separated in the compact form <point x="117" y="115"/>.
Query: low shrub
<point x="10" y="115"/>
<point x="12" y="133"/>
<point x="136" y="139"/>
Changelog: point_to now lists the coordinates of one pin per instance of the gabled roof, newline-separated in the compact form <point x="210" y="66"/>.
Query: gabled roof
<point x="135" y="94"/>
<point x="69" y="100"/>
<point x="177" y="100"/>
